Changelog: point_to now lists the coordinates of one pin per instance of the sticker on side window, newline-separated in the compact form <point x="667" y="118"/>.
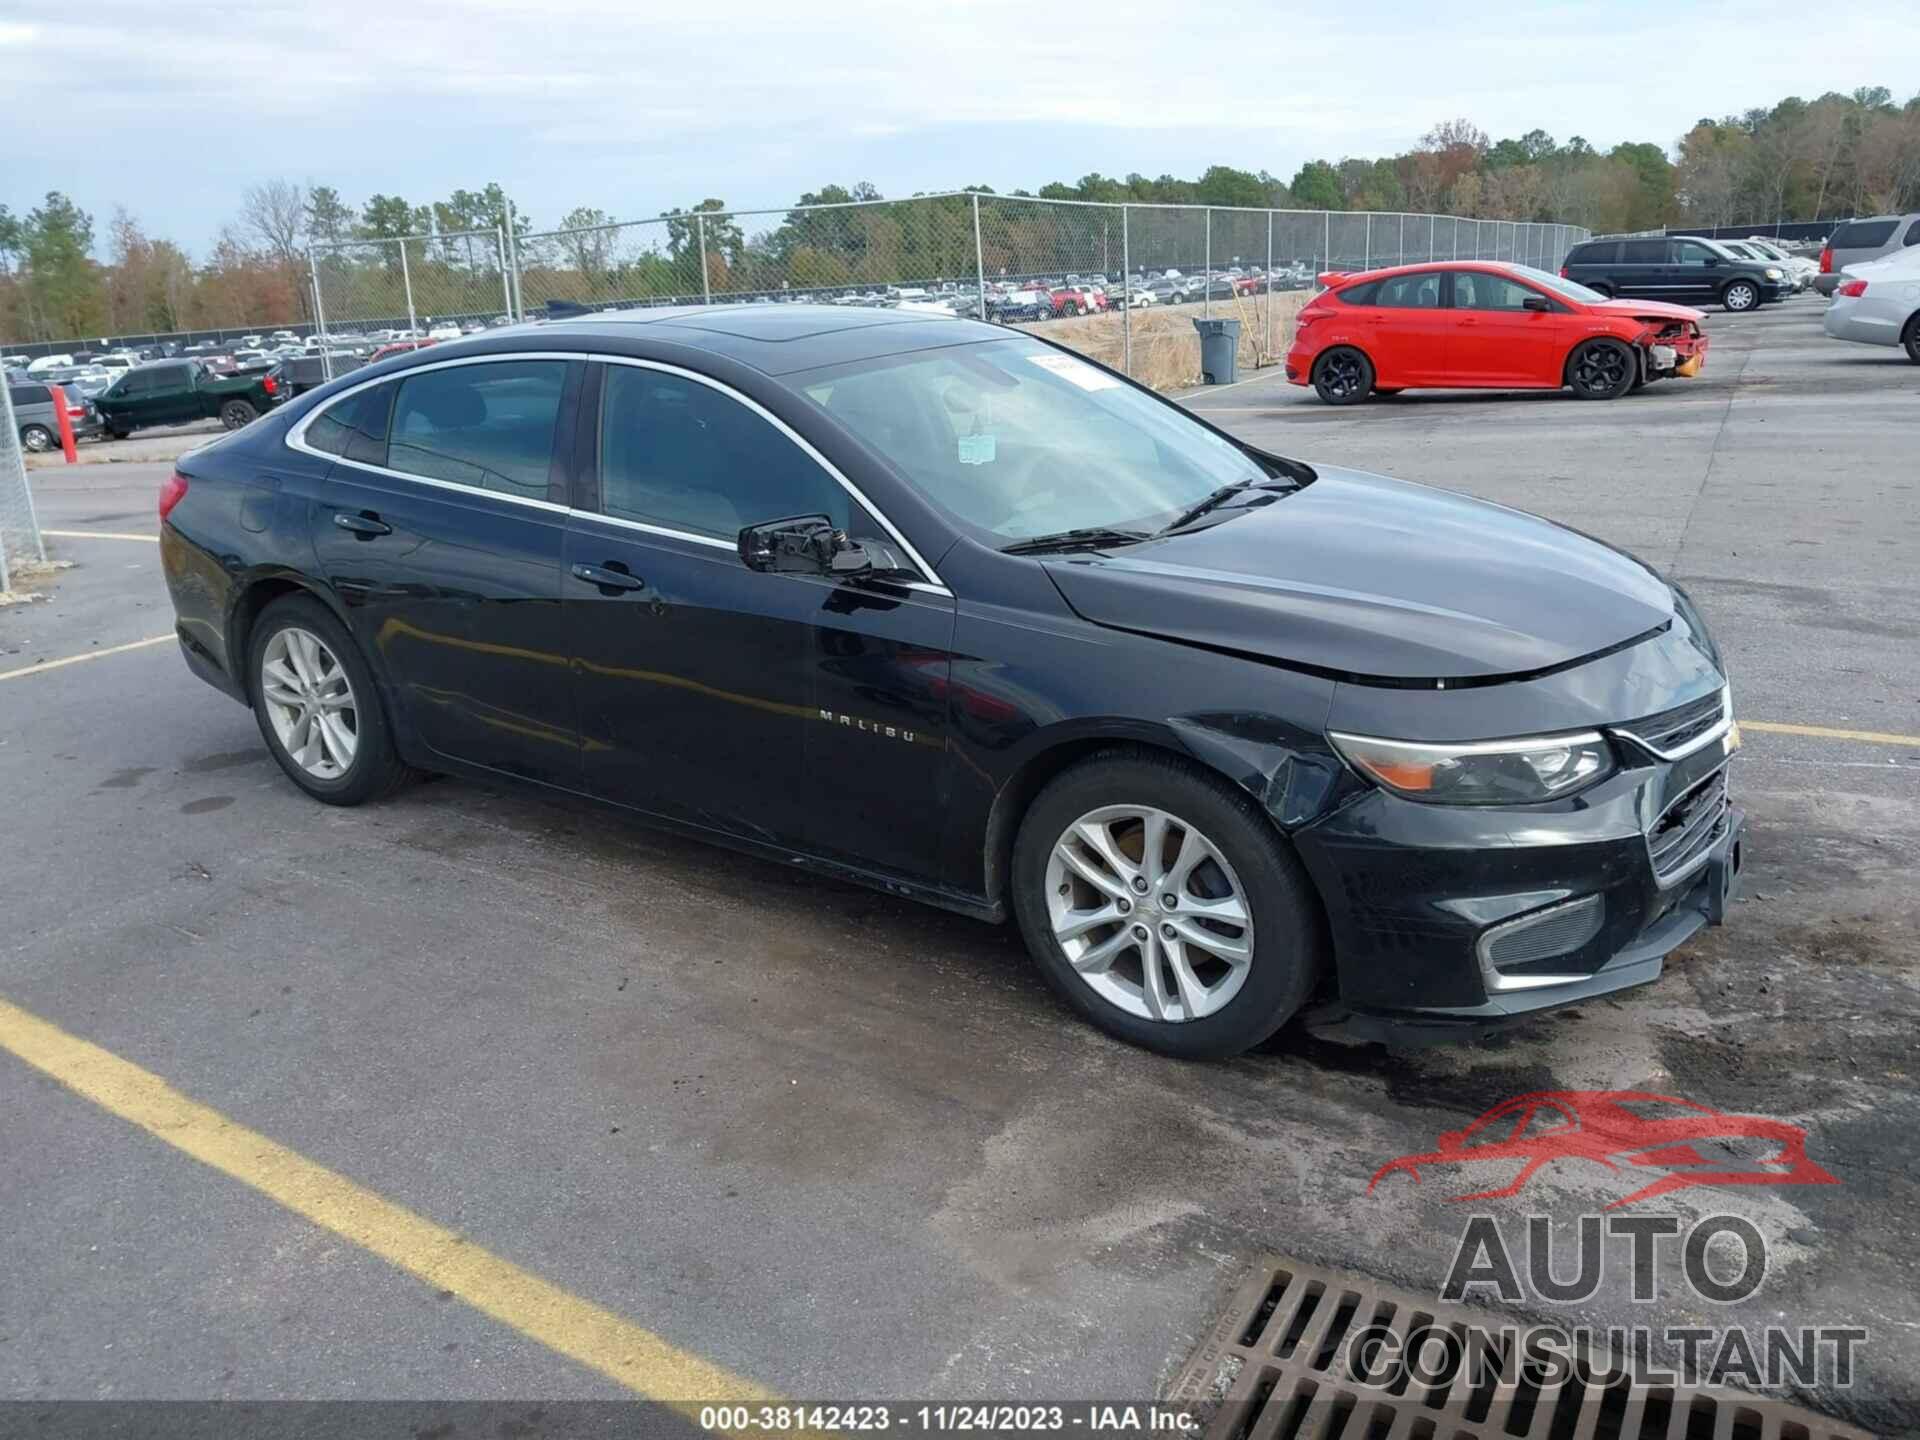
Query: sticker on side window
<point x="1075" y="372"/>
<point x="976" y="449"/>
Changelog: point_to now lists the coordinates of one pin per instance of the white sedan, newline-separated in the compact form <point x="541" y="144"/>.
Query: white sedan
<point x="1878" y="303"/>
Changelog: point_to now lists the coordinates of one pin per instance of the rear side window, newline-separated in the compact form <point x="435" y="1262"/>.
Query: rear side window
<point x="1599" y="253"/>
<point x="682" y="455"/>
<point x="489" y="425"/>
<point x="1913" y="234"/>
<point x="29" y="395"/>
<point x="1863" y="234"/>
<point x="355" y="428"/>
<point x="1411" y="292"/>
<point x="1643" y="252"/>
<point x="1358" y="294"/>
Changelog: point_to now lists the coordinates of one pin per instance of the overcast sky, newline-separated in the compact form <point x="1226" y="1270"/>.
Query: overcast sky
<point x="171" y="109"/>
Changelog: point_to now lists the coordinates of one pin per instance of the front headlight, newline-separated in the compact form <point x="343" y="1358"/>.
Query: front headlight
<point x="1487" y="772"/>
<point x="1773" y="272"/>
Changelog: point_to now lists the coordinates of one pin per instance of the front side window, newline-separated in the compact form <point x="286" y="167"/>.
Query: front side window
<point x="685" y="456"/>
<point x="1913" y="234"/>
<point x="1411" y="292"/>
<point x="488" y="425"/>
<point x="1692" y="252"/>
<point x="1479" y="290"/>
<point x="1015" y="439"/>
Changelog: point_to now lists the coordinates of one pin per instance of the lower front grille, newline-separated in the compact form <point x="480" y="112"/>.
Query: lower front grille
<point x="1688" y="828"/>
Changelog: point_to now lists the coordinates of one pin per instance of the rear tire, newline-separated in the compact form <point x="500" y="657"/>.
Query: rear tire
<point x="1910" y="337"/>
<point x="37" y="438"/>
<point x="373" y="767"/>
<point x="1234" y="1004"/>
<point x="1343" y="376"/>
<point x="237" y="414"/>
<point x="1740" y="296"/>
<point x="1602" y="369"/>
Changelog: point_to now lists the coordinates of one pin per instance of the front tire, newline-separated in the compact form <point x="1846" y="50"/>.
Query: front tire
<point x="1160" y="903"/>
<point x="1602" y="370"/>
<point x="317" y="707"/>
<point x="1343" y="376"/>
<point x="1740" y="296"/>
<point x="237" y="414"/>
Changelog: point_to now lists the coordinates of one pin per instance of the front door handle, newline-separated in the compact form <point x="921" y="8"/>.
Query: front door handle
<point x="365" y="525"/>
<point x="612" y="578"/>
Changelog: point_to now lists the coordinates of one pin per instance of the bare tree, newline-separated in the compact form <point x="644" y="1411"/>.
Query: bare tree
<point x="274" y="215"/>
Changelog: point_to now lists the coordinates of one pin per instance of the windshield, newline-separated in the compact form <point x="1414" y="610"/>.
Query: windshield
<point x="1016" y="439"/>
<point x="1572" y="289"/>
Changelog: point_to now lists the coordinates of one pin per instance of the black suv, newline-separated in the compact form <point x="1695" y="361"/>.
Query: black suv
<point x="1681" y="268"/>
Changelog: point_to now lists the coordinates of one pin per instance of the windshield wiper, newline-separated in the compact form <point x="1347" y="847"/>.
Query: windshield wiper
<point x="1091" y="537"/>
<point x="1222" y="496"/>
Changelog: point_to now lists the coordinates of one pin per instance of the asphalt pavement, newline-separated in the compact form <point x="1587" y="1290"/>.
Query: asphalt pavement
<point x="848" y="1147"/>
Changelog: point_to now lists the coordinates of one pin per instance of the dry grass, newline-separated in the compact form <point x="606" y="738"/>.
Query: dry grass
<point x="1166" y="349"/>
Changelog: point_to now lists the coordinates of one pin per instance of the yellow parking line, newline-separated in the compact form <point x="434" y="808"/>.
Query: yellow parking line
<point x="1820" y="732"/>
<point x="46" y="665"/>
<point x="563" y="1322"/>
<point x="100" y="535"/>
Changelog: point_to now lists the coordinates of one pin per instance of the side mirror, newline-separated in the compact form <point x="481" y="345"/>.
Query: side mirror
<point x="810" y="545"/>
<point x="1536" y="302"/>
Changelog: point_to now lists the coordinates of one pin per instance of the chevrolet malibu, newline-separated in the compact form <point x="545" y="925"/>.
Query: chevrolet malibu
<point x="938" y="607"/>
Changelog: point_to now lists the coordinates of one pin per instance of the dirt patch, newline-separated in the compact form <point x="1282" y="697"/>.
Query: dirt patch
<point x="1166" y="348"/>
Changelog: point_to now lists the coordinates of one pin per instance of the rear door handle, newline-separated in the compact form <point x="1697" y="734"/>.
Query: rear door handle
<point x="365" y="525"/>
<point x="610" y="580"/>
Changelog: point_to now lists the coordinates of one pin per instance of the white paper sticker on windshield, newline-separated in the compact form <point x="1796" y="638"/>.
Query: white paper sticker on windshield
<point x="1076" y="372"/>
<point x="976" y="449"/>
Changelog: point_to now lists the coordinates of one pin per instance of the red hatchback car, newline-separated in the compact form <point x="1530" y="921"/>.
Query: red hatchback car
<point x="1484" y="325"/>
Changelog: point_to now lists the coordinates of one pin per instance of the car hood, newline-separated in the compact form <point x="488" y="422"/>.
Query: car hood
<point x="1379" y="581"/>
<point x="1651" y="307"/>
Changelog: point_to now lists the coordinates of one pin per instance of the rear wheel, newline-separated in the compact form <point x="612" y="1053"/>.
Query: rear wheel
<point x="1343" y="376"/>
<point x="1161" y="905"/>
<point x="1602" y="370"/>
<point x="37" y="438"/>
<point x="1910" y="337"/>
<point x="237" y="413"/>
<point x="316" y="705"/>
<point x="1740" y="295"/>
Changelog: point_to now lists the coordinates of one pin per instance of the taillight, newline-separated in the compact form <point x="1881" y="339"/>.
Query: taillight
<point x="1563" y="273"/>
<point x="269" y="384"/>
<point x="172" y="491"/>
<point x="1826" y="261"/>
<point x="1854" y="288"/>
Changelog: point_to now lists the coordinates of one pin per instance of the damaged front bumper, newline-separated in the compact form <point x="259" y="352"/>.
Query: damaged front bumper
<point x="1677" y="351"/>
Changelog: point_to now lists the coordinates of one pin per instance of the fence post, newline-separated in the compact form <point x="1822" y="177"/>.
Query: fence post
<point x="1269" y="286"/>
<point x="1326" y="240"/>
<point x="706" y="282"/>
<point x="979" y="258"/>
<point x="1206" y="282"/>
<point x="516" y="304"/>
<point x="1366" y="262"/>
<point x="506" y="283"/>
<point x="1433" y="222"/>
<point x="320" y="318"/>
<point x="406" y="279"/>
<point x="1126" y="295"/>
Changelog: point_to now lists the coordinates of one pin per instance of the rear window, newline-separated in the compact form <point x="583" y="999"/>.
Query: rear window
<point x="1600" y="252"/>
<point x="1863" y="234"/>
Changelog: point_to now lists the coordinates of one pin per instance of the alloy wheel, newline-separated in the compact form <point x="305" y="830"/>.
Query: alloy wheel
<point x="310" y="703"/>
<point x="1340" y="375"/>
<point x="1149" y="913"/>
<point x="1600" y="368"/>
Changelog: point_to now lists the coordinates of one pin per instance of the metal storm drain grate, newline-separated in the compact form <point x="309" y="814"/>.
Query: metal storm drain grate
<point x="1290" y="1359"/>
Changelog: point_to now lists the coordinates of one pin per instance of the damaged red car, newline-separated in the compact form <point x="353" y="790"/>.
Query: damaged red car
<point x="1485" y="325"/>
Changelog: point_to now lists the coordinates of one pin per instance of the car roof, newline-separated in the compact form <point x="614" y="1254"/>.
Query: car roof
<point x="1499" y="267"/>
<point x="774" y="339"/>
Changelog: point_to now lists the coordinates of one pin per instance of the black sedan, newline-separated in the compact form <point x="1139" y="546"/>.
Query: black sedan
<point x="947" y="610"/>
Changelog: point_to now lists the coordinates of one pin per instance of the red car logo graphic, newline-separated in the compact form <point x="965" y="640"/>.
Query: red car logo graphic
<point x="1625" y="1127"/>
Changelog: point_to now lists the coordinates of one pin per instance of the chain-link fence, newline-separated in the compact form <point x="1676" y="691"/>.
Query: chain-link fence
<point x="20" y="541"/>
<point x="1119" y="282"/>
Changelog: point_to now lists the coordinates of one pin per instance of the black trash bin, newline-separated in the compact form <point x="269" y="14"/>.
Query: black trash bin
<point x="1219" y="350"/>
